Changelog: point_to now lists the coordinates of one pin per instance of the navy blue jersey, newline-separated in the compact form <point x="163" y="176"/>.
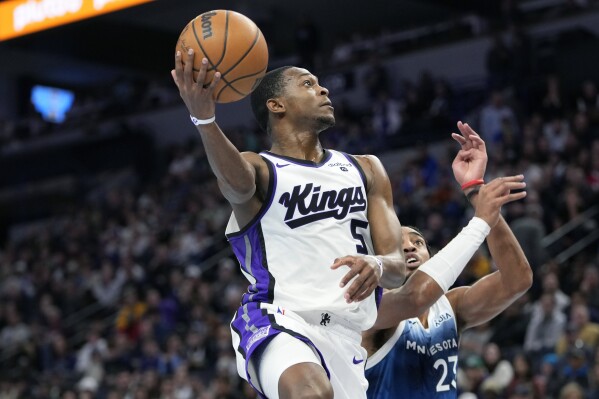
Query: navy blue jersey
<point x="417" y="362"/>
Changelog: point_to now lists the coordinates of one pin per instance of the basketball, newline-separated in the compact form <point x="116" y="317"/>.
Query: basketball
<point x="233" y="45"/>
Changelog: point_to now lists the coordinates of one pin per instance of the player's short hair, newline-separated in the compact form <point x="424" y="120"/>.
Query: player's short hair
<point x="428" y="248"/>
<point x="272" y="85"/>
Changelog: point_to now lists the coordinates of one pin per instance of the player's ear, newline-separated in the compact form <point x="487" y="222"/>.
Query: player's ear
<point x="275" y="105"/>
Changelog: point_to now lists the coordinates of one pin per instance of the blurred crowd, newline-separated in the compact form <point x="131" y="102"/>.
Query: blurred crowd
<point x="130" y="294"/>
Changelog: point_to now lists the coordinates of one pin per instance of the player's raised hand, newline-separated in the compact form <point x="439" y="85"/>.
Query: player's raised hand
<point x="368" y="276"/>
<point x="198" y="98"/>
<point x="492" y="196"/>
<point x="471" y="161"/>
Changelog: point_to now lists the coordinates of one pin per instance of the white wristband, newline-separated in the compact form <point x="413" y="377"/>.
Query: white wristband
<point x="378" y="262"/>
<point x="198" y="122"/>
<point x="445" y="267"/>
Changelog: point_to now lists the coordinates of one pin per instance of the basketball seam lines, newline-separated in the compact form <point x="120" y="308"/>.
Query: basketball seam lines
<point x="228" y="84"/>
<point x="222" y="57"/>
<point x="246" y="53"/>
<point x="246" y="76"/>
<point x="200" y="44"/>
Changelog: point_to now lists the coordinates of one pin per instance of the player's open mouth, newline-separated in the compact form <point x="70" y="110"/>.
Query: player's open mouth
<point x="412" y="261"/>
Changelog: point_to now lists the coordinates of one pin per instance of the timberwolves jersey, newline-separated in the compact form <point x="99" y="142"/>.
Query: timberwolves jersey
<point x="417" y="362"/>
<point x="313" y="214"/>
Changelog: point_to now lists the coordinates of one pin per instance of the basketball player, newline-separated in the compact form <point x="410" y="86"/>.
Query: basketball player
<point x="305" y="227"/>
<point x="417" y="357"/>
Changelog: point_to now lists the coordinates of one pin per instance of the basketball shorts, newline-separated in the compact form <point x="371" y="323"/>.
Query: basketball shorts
<point x="334" y="343"/>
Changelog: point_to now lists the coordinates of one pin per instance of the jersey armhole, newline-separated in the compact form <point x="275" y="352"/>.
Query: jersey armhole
<point x="272" y="183"/>
<point x="355" y="162"/>
<point x="384" y="350"/>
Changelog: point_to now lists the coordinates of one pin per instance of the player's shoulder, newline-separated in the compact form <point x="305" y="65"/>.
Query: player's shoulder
<point x="373" y="168"/>
<point x="369" y="162"/>
<point x="251" y="156"/>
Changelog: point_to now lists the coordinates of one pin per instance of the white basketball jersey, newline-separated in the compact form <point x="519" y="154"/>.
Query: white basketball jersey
<point x="313" y="214"/>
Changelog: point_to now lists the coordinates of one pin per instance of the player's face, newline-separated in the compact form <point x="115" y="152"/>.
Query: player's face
<point x="307" y="101"/>
<point x="414" y="248"/>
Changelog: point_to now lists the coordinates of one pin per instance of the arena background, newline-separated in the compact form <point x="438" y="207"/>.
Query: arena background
<point x="115" y="278"/>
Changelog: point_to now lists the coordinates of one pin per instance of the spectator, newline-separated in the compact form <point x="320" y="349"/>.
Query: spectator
<point x="509" y="328"/>
<point x="500" y="371"/>
<point x="130" y="314"/>
<point x="581" y="329"/>
<point x="494" y="118"/>
<point x="106" y="285"/>
<point x="551" y="285"/>
<point x="546" y="326"/>
<point x="522" y="384"/>
<point x="471" y="375"/>
<point x="529" y="229"/>
<point x="587" y="101"/>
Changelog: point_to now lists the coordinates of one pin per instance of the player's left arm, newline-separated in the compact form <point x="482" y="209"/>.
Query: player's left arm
<point x="385" y="231"/>
<point x="490" y="295"/>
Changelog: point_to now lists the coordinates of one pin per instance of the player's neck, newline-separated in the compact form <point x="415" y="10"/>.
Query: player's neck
<point x="305" y="146"/>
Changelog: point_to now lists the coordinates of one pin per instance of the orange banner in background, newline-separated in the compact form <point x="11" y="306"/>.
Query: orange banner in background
<point x="21" y="17"/>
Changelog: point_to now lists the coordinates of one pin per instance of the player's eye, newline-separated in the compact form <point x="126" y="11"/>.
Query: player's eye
<point x="419" y="243"/>
<point x="307" y="82"/>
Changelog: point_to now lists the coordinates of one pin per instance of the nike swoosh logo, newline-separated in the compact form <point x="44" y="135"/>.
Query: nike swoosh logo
<point x="282" y="165"/>
<point x="357" y="361"/>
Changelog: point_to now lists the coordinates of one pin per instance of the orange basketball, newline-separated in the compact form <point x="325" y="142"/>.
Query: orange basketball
<point x="233" y="45"/>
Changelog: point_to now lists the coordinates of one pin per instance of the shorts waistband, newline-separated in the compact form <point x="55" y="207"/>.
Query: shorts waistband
<point x="321" y="319"/>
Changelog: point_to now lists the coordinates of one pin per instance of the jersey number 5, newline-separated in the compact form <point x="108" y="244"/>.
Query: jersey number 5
<point x="442" y="385"/>
<point x="355" y="225"/>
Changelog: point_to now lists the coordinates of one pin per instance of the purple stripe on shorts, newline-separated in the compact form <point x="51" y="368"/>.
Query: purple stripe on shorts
<point x="255" y="326"/>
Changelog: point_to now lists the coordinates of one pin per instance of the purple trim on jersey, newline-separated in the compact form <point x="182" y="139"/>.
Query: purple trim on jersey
<point x="355" y="162"/>
<point x="270" y="193"/>
<point x="263" y="289"/>
<point x="255" y="326"/>
<point x="327" y="156"/>
<point x="378" y="296"/>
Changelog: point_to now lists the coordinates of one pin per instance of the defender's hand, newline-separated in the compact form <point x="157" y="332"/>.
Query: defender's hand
<point x="492" y="196"/>
<point x="368" y="276"/>
<point x="198" y="98"/>
<point x="471" y="161"/>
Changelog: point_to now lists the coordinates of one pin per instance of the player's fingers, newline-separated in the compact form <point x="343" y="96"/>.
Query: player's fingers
<point x="503" y="180"/>
<point x="174" y="76"/>
<point x="502" y="188"/>
<point x="178" y="67"/>
<point x="515" y="196"/>
<point x="353" y="272"/>
<point x="366" y="278"/>
<point x="214" y="82"/>
<point x="459" y="138"/>
<point x="202" y="73"/>
<point x="471" y="133"/>
<point x="478" y="141"/>
<point x="343" y="261"/>
<point x="188" y="68"/>
<point x="357" y="286"/>
<point x="368" y="287"/>
<point x="463" y="129"/>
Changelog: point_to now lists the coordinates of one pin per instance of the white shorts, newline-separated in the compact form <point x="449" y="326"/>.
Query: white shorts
<point x="330" y="340"/>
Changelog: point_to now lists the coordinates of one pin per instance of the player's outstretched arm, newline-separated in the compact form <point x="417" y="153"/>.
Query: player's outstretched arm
<point x="236" y="172"/>
<point x="385" y="231"/>
<point x="490" y="295"/>
<point x="435" y="277"/>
